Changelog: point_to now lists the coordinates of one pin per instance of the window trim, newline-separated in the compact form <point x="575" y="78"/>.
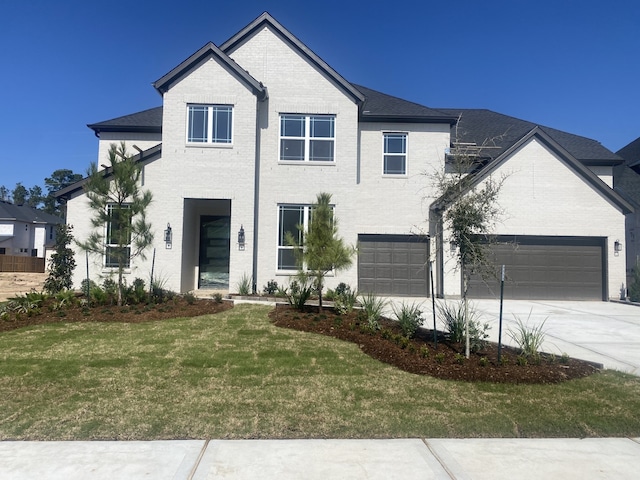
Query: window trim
<point x="107" y="228"/>
<point x="306" y="215"/>
<point x="307" y="139"/>
<point x="386" y="154"/>
<point x="211" y="109"/>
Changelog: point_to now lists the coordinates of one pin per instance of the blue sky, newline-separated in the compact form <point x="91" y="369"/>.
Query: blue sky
<point x="571" y="65"/>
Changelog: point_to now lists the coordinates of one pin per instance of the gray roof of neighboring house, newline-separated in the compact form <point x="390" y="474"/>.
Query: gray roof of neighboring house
<point x="147" y="121"/>
<point x="627" y="183"/>
<point x="485" y="127"/>
<point x="24" y="213"/>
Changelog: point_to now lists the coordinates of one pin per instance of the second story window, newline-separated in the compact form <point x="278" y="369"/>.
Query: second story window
<point x="307" y="138"/>
<point x="210" y="124"/>
<point x="395" y="154"/>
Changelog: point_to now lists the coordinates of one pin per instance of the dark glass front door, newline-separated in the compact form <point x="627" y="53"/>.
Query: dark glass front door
<point x="214" y="252"/>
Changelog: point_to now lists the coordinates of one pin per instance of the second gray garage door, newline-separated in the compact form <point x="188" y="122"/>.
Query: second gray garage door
<point x="546" y="268"/>
<point x="393" y="265"/>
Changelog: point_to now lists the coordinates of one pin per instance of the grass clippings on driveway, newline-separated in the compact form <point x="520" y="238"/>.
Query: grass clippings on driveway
<point x="235" y="375"/>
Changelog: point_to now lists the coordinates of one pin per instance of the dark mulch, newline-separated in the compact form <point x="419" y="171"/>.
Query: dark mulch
<point x="176" y="307"/>
<point x="420" y="357"/>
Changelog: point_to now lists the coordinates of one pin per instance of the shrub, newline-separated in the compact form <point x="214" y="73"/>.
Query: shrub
<point x="244" y="285"/>
<point x="372" y="307"/>
<point x="190" y="298"/>
<point x="454" y="316"/>
<point x="345" y="300"/>
<point x="217" y="297"/>
<point x="409" y="317"/>
<point x="529" y="339"/>
<point x="63" y="299"/>
<point x="62" y="262"/>
<point x="300" y="291"/>
<point x="634" y="287"/>
<point x="270" y="288"/>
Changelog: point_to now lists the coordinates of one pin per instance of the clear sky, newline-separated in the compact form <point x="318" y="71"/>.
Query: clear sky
<point x="569" y="64"/>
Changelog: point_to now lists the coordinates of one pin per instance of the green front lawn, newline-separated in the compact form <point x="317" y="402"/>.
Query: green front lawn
<point x="234" y="375"/>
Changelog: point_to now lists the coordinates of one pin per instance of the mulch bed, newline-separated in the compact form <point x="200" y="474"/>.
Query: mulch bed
<point x="420" y="357"/>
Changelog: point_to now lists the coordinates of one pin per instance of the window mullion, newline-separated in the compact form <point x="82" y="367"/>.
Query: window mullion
<point x="210" y="124"/>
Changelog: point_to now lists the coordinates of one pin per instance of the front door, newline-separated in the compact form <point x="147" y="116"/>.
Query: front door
<point x="215" y="245"/>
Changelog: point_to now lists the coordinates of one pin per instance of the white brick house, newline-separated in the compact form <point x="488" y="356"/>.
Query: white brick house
<point x="249" y="133"/>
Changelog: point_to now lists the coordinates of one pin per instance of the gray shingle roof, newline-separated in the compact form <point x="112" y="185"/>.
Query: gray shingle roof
<point x="24" y="213"/>
<point x="147" y="121"/>
<point x="379" y="106"/>
<point x="487" y="127"/>
<point x="631" y="153"/>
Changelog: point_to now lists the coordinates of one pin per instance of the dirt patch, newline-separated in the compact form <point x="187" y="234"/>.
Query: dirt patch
<point x="420" y="356"/>
<point x="17" y="283"/>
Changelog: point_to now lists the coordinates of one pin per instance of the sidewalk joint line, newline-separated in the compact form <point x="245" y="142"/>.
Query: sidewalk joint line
<point x="198" y="460"/>
<point x="442" y="464"/>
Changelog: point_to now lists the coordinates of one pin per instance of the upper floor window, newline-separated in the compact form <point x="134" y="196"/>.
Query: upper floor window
<point x="395" y="154"/>
<point x="210" y="124"/>
<point x="118" y="236"/>
<point x="307" y="138"/>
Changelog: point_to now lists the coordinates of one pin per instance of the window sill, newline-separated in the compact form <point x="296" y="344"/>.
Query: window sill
<point x="209" y="145"/>
<point x="314" y="163"/>
<point x="395" y="175"/>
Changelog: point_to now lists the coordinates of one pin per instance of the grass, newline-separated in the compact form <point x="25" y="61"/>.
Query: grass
<point x="234" y="375"/>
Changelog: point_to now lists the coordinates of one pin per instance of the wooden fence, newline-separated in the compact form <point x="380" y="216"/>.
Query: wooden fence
<point x="14" y="263"/>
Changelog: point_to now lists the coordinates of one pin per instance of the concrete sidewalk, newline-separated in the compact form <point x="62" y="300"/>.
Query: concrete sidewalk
<point x="495" y="459"/>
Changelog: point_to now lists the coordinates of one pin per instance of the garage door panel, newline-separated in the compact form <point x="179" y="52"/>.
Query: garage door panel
<point x="393" y="265"/>
<point x="546" y="268"/>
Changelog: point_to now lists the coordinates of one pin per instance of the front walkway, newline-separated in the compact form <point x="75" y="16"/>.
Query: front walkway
<point x="603" y="332"/>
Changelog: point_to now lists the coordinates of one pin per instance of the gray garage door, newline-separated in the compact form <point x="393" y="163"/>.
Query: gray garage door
<point x="393" y="265"/>
<point x="546" y="268"/>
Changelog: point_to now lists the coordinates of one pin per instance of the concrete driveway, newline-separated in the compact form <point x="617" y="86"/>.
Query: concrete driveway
<point x="604" y="332"/>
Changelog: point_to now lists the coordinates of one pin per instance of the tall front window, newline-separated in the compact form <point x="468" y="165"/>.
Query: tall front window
<point x="395" y="154"/>
<point x="307" y="138"/>
<point x="118" y="236"/>
<point x="210" y="124"/>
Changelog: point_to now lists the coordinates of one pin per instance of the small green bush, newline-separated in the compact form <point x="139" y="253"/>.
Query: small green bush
<point x="217" y="297"/>
<point x="409" y="317"/>
<point x="372" y="307"/>
<point x="529" y="339"/>
<point x="244" y="285"/>
<point x="270" y="288"/>
<point x="300" y="291"/>
<point x="345" y="300"/>
<point x="454" y="316"/>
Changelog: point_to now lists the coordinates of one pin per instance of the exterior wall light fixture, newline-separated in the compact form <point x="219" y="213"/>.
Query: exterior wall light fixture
<point x="168" y="236"/>
<point x="241" y="238"/>
<point x="617" y="247"/>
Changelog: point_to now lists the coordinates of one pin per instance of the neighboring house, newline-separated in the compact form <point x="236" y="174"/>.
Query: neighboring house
<point x="249" y="133"/>
<point x="26" y="231"/>
<point x="627" y="183"/>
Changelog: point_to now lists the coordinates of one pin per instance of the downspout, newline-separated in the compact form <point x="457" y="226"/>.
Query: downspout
<point x="256" y="192"/>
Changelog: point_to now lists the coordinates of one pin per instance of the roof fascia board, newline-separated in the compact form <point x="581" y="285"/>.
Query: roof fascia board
<point x="152" y="153"/>
<point x="266" y="19"/>
<point x="132" y="129"/>
<point x="572" y="162"/>
<point x="208" y="51"/>
<point x="408" y="119"/>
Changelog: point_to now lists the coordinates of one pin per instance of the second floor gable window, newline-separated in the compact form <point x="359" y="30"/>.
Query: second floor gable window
<point x="210" y="124"/>
<point x="307" y="138"/>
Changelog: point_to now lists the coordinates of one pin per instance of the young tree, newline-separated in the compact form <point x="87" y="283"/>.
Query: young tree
<point x="321" y="250"/>
<point x="4" y="193"/>
<point x="35" y="196"/>
<point x="468" y="209"/>
<point x="62" y="263"/>
<point x="119" y="204"/>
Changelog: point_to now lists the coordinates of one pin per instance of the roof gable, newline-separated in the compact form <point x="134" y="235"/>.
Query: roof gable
<point x="267" y="21"/>
<point x="631" y="154"/>
<point x="206" y="52"/>
<point x="563" y="154"/>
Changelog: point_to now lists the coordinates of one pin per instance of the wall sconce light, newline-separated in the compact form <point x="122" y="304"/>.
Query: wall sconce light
<point x="452" y="245"/>
<point x="617" y="247"/>
<point x="168" y="236"/>
<point x="241" y="238"/>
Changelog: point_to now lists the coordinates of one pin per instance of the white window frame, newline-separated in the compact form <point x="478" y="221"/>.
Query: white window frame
<point x="281" y="245"/>
<point x="307" y="139"/>
<point x="386" y="154"/>
<point x="107" y="235"/>
<point x="211" y="112"/>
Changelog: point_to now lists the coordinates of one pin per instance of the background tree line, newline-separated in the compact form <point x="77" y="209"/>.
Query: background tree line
<point x="35" y="196"/>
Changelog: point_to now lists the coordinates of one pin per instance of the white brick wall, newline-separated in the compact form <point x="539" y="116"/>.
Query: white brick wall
<point x="541" y="195"/>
